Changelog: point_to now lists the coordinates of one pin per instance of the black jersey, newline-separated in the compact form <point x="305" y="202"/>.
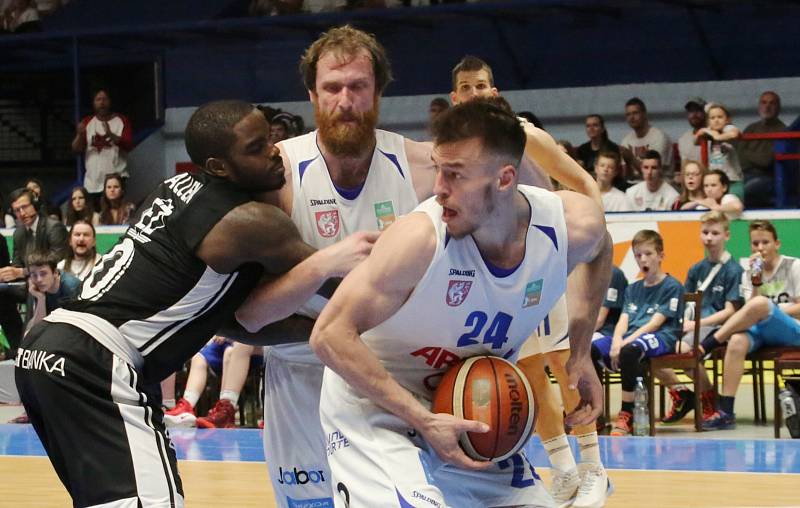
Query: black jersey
<point x="164" y="300"/>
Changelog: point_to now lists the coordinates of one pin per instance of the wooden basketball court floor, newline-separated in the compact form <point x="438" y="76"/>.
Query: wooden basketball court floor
<point x="225" y="468"/>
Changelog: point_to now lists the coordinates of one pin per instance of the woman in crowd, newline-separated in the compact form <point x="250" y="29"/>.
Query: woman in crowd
<point x="82" y="255"/>
<point x="716" y="186"/>
<point x="114" y="210"/>
<point x="80" y="208"/>
<point x="692" y="189"/>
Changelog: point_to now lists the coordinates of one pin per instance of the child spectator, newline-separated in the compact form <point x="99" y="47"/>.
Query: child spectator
<point x="649" y="325"/>
<point x="771" y="288"/>
<point x="48" y="287"/>
<point x="82" y="254"/>
<point x="718" y="276"/>
<point x="606" y="167"/>
<point x="721" y="152"/>
<point x="692" y="188"/>
<point x="609" y="313"/>
<point x="715" y="186"/>
<point x="80" y="208"/>
<point x="114" y="210"/>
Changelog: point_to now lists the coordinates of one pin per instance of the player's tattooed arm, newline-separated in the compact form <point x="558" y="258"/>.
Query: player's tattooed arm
<point x="589" y="262"/>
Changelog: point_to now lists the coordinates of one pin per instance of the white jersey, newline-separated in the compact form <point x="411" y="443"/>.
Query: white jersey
<point x="463" y="307"/>
<point x="325" y="214"/>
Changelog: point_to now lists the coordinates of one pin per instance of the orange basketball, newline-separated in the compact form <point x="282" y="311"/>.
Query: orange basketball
<point x="493" y="391"/>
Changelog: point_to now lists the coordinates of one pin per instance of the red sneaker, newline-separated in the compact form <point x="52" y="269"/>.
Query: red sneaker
<point x="709" y="400"/>
<point x="182" y="415"/>
<point x="624" y="424"/>
<point x="221" y="416"/>
<point x="682" y="404"/>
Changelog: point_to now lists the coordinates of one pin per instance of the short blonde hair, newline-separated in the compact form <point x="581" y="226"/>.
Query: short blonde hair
<point x="716" y="217"/>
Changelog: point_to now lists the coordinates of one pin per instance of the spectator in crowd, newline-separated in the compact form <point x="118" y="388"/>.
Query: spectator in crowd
<point x="278" y="128"/>
<point x="48" y="287"/>
<point x="45" y="206"/>
<point x="21" y="16"/>
<point x="649" y="325"/>
<point x="688" y="148"/>
<point x="567" y="148"/>
<point x="606" y="167"/>
<point x="80" y="208"/>
<point x="715" y="187"/>
<point x="721" y="152"/>
<point x="692" y="191"/>
<point x="598" y="142"/>
<point x="82" y="254"/>
<point x="653" y="193"/>
<point x="114" y="210"/>
<point x="9" y="316"/>
<point x="275" y="7"/>
<point x="228" y="359"/>
<point x="105" y="138"/>
<point x="609" y="313"/>
<point x="756" y="157"/>
<point x="718" y="276"/>
<point x="35" y="232"/>
<point x="644" y="137"/>
<point x="769" y="318"/>
<point x="437" y="106"/>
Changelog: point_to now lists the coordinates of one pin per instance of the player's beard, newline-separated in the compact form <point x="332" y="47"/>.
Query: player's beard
<point x="347" y="139"/>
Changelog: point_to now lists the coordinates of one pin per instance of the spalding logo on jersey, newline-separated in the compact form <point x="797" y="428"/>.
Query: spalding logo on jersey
<point x="327" y="223"/>
<point x="151" y="220"/>
<point x="457" y="291"/>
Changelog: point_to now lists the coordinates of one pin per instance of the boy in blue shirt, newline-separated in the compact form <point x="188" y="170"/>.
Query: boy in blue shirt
<point x="612" y="305"/>
<point x="649" y="325"/>
<point x="718" y="276"/>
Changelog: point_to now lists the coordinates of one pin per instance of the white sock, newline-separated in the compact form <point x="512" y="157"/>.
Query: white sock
<point x="589" y="447"/>
<point x="560" y="454"/>
<point x="191" y="397"/>
<point x="168" y="403"/>
<point x="230" y="395"/>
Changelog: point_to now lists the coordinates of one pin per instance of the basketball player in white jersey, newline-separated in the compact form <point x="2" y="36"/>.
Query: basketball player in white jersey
<point x="395" y="324"/>
<point x="344" y="177"/>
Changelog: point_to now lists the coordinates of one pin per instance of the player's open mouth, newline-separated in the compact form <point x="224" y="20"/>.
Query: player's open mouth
<point x="448" y="213"/>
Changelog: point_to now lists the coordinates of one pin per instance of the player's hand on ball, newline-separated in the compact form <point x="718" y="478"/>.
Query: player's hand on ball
<point x="442" y="432"/>
<point x="582" y="377"/>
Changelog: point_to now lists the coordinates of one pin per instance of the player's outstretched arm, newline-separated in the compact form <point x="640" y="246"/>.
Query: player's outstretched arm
<point x="369" y="295"/>
<point x="589" y="263"/>
<point x="423" y="172"/>
<point x="542" y="149"/>
<point x="257" y="232"/>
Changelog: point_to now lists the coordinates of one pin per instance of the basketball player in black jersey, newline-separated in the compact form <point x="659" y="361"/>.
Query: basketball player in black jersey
<point x="88" y="375"/>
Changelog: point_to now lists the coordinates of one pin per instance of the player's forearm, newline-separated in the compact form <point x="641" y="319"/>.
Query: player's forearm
<point x="342" y="350"/>
<point x="279" y="298"/>
<point x="294" y="329"/>
<point x="586" y="290"/>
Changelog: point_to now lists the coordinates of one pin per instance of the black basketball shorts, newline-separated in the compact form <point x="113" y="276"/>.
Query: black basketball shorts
<point x="102" y="430"/>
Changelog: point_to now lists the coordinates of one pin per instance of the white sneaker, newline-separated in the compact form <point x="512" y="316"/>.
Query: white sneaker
<point x="185" y="419"/>
<point x="565" y="487"/>
<point x="595" y="486"/>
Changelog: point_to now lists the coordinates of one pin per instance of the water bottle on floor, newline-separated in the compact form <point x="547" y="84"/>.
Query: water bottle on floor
<point x="641" y="414"/>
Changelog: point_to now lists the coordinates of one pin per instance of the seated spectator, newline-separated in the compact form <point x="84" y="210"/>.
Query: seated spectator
<point x="598" y="142"/>
<point x="215" y="355"/>
<point x="82" y="254"/>
<point x="48" y="287"/>
<point x="688" y="148"/>
<point x="567" y="148"/>
<point x="653" y="193"/>
<point x="606" y="167"/>
<point x="114" y="210"/>
<point x="80" y="208"/>
<point x="770" y="316"/>
<point x="721" y="151"/>
<point x="649" y="325"/>
<point x="9" y="315"/>
<point x="437" y="106"/>
<point x="45" y="207"/>
<point x="692" y="192"/>
<point x="609" y="313"/>
<point x="21" y="16"/>
<point x="756" y="157"/>
<point x="715" y="186"/>
<point x="645" y="138"/>
<point x="718" y="276"/>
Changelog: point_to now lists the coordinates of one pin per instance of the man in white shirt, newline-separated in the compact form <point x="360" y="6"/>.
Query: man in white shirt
<point x="696" y="115"/>
<point x="653" y="193"/>
<point x="645" y="137"/>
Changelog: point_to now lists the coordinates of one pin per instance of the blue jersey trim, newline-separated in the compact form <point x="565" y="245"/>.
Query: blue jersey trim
<point x="550" y="232"/>
<point x="349" y="194"/>
<point x="393" y="158"/>
<point x="303" y="166"/>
